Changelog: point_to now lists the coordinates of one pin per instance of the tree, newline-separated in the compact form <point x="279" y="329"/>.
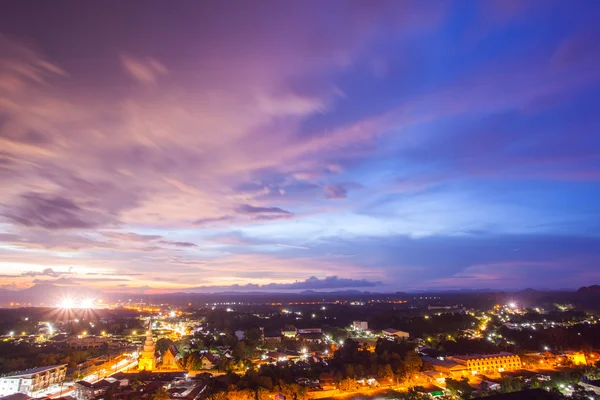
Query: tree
<point x="161" y="394"/>
<point x="239" y="351"/>
<point x="411" y="364"/>
<point x="511" y="385"/>
<point x="459" y="388"/>
<point x="163" y="344"/>
<point x="348" y="385"/>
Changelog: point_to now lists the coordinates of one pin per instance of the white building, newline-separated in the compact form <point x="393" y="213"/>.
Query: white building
<point x="32" y="381"/>
<point x="360" y="325"/>
<point x="391" y="332"/>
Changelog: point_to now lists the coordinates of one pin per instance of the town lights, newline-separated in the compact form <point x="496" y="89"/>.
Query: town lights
<point x="67" y="303"/>
<point x="87" y="303"/>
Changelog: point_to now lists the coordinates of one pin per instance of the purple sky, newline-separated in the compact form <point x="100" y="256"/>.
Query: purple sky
<point x="369" y="145"/>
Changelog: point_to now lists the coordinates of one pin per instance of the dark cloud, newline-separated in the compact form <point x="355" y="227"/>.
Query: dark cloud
<point x="58" y="281"/>
<point x="135" y="237"/>
<point x="312" y="283"/>
<point x="251" y="210"/>
<point x="210" y="221"/>
<point x="335" y="192"/>
<point x="46" y="272"/>
<point x="178" y="244"/>
<point x="50" y="212"/>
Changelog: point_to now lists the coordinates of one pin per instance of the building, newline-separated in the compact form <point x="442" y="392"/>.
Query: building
<point x="208" y="360"/>
<point x="32" y="381"/>
<point x="489" y="363"/>
<point x="391" y="333"/>
<point x="147" y="360"/>
<point x="576" y="357"/>
<point x="272" y="336"/>
<point x="169" y="358"/>
<point x="306" y="331"/>
<point x="83" y="390"/>
<point x="289" y="333"/>
<point x="360" y="326"/>
<point x="447" y="367"/>
<point x="87" y="342"/>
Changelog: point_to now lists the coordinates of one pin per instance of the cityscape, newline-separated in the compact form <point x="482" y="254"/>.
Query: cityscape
<point x="299" y="199"/>
<point x="312" y="346"/>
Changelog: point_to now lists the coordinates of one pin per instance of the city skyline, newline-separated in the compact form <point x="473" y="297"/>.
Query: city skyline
<point x="289" y="146"/>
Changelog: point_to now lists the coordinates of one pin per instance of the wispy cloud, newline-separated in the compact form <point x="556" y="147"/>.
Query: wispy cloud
<point x="144" y="70"/>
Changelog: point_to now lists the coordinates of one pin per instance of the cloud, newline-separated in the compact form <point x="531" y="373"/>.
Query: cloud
<point x="58" y="281"/>
<point x="178" y="244"/>
<point x="50" y="212"/>
<point x="259" y="213"/>
<point x="46" y="272"/>
<point x="22" y="64"/>
<point x="289" y="246"/>
<point x="248" y="209"/>
<point x="312" y="283"/>
<point x="213" y="220"/>
<point x="144" y="70"/>
<point x="137" y="238"/>
<point x="335" y="192"/>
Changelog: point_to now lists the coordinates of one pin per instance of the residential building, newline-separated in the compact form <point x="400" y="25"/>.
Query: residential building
<point x="32" y="381"/>
<point x="83" y="390"/>
<point x="489" y="363"/>
<point x="208" y="360"/>
<point x="360" y="326"/>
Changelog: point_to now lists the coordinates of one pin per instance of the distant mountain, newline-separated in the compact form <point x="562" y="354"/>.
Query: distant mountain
<point x="594" y="289"/>
<point x="46" y="294"/>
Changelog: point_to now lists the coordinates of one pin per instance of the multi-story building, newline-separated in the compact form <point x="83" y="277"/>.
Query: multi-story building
<point x="360" y="326"/>
<point x="489" y="363"/>
<point x="32" y="381"/>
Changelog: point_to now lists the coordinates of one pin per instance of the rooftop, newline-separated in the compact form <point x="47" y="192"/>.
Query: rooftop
<point x="33" y="371"/>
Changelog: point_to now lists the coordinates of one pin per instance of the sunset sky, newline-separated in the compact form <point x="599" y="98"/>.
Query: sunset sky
<point x="292" y="145"/>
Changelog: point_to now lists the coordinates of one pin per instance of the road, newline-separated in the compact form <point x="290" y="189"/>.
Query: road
<point x="67" y="387"/>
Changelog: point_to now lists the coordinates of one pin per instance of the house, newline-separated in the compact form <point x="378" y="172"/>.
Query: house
<point x="208" y="360"/>
<point x="272" y="336"/>
<point x="83" y="390"/>
<point x="395" y="333"/>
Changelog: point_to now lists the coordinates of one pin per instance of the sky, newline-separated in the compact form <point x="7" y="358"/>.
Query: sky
<point x="300" y="145"/>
